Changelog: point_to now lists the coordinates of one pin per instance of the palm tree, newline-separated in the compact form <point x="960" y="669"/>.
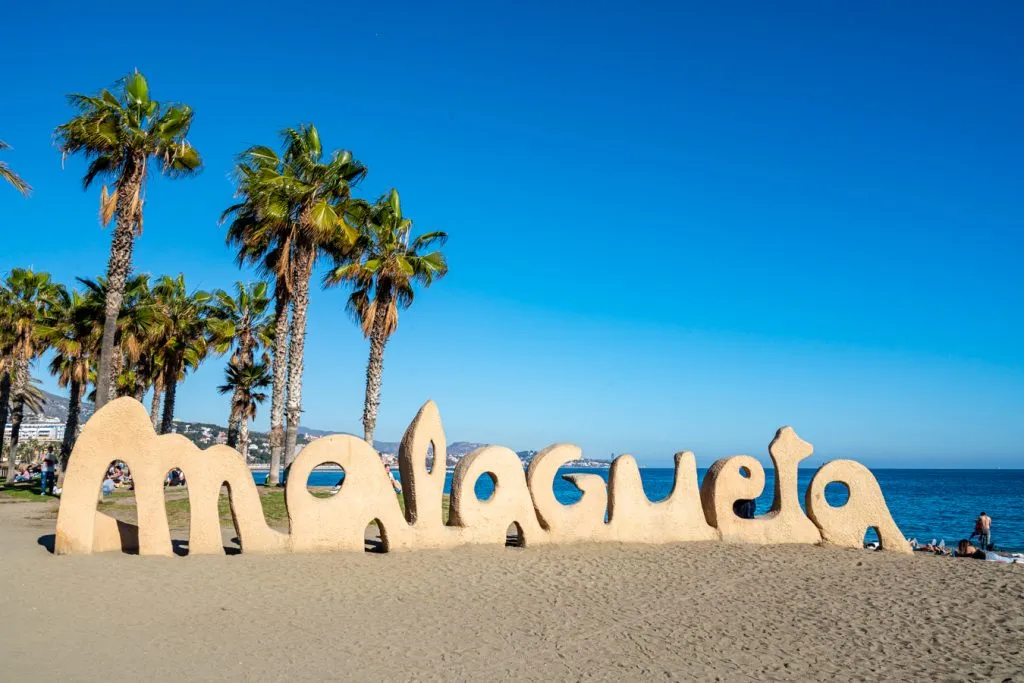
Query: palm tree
<point x="241" y="322"/>
<point x="69" y="329"/>
<point x="293" y="211"/>
<point x="10" y="176"/>
<point x="263" y="232"/>
<point x="387" y="267"/>
<point x="119" y="133"/>
<point x="6" y="358"/>
<point x="34" y="398"/>
<point x="137" y="324"/>
<point x="33" y="403"/>
<point x="319" y="192"/>
<point x="244" y="384"/>
<point x="183" y="338"/>
<point x="27" y="298"/>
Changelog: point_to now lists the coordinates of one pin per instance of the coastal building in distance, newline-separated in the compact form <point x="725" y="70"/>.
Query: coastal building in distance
<point x="45" y="428"/>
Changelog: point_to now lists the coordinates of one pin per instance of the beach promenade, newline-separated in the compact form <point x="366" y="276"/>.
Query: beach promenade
<point x="702" y="611"/>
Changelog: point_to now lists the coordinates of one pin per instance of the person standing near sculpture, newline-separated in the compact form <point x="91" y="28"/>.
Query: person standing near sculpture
<point x="46" y="473"/>
<point x="983" y="530"/>
<point x="391" y="476"/>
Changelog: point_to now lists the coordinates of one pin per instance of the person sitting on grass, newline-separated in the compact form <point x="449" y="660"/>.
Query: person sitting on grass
<point x="123" y="478"/>
<point x="22" y="475"/>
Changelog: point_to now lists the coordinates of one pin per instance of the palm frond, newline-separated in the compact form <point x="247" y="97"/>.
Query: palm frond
<point x="7" y="174"/>
<point x="121" y="130"/>
<point x="384" y="265"/>
<point x="16" y="181"/>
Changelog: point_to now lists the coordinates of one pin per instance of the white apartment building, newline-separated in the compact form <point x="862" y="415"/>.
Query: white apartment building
<point x="48" y="428"/>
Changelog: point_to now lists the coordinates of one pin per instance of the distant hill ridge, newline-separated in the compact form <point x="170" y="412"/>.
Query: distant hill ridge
<point x="57" y="406"/>
<point x="205" y="434"/>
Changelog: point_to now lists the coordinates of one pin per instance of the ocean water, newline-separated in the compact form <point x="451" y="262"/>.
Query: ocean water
<point x="926" y="504"/>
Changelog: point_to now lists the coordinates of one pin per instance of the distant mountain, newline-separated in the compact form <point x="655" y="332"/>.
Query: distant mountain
<point x="315" y="432"/>
<point x="57" y="406"/>
<point x="389" y="447"/>
<point x="461" y="448"/>
<point x="205" y="434"/>
<point x="456" y="450"/>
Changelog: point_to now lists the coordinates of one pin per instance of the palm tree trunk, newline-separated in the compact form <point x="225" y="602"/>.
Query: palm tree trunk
<point x="18" y="390"/>
<point x="116" y="367"/>
<point x="167" y="424"/>
<point x="375" y="366"/>
<point x="139" y="392"/>
<point x="296" y="349"/>
<point x="118" y="267"/>
<point x="280" y="378"/>
<point x="234" y="424"/>
<point x="243" y="439"/>
<point x="235" y="417"/>
<point x="70" y="429"/>
<point x="154" y="406"/>
<point x="5" y="404"/>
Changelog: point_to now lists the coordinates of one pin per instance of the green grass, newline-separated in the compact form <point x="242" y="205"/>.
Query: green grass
<point x="121" y="504"/>
<point x="24" y="494"/>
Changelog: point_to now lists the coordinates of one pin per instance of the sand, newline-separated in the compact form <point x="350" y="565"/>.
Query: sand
<point x="702" y="611"/>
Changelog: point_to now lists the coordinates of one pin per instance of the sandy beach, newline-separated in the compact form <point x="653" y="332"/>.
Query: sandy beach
<point x="704" y="611"/>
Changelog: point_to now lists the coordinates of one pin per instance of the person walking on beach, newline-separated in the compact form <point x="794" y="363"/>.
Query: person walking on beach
<point x="983" y="530"/>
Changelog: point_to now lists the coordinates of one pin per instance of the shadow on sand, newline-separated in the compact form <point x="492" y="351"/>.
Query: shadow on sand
<point x="47" y="541"/>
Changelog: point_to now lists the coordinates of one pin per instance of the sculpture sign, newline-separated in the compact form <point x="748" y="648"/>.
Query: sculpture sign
<point x="618" y="510"/>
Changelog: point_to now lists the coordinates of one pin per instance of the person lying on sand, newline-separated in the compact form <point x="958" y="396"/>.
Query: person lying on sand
<point x="933" y="547"/>
<point x="965" y="549"/>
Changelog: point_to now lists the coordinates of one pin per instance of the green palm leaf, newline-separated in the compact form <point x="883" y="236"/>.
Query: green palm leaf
<point x="16" y="181"/>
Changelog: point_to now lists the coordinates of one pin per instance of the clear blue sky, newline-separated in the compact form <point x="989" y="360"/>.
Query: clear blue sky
<point x="671" y="227"/>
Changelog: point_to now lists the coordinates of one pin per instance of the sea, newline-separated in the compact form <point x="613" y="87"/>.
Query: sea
<point x="929" y="505"/>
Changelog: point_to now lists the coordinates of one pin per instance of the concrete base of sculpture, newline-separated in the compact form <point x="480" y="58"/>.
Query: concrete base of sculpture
<point x="617" y="511"/>
<point x="113" y="534"/>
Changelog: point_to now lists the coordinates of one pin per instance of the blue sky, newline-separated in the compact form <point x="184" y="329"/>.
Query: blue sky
<point x="672" y="227"/>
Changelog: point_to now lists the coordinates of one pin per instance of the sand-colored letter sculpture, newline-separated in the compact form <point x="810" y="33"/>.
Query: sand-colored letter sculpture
<point x="618" y="510"/>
